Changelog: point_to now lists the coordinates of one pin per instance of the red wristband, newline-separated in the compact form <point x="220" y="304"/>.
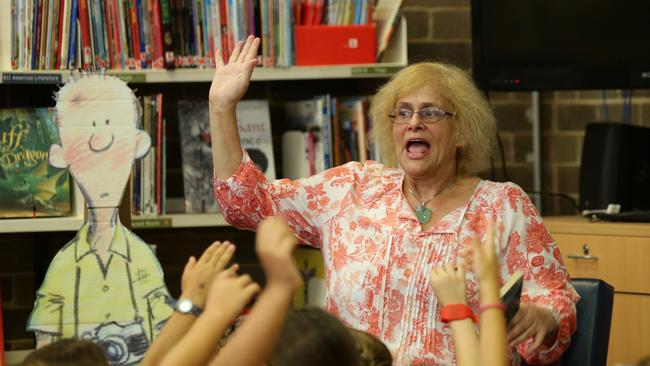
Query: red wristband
<point x="453" y="312"/>
<point x="497" y="305"/>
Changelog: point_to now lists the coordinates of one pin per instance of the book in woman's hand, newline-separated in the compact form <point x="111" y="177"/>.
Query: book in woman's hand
<point x="511" y="294"/>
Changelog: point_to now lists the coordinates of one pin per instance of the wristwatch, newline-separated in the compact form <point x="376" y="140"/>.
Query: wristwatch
<point x="453" y="312"/>
<point x="186" y="306"/>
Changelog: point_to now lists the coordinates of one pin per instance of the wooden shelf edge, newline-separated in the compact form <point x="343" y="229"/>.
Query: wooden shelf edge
<point x="178" y="221"/>
<point x="582" y="225"/>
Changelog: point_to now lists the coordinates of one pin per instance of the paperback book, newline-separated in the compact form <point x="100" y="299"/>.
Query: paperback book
<point x="29" y="185"/>
<point x="254" y="122"/>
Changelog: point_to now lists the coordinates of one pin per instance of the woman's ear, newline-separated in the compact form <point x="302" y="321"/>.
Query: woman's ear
<point x="56" y="157"/>
<point x="143" y="143"/>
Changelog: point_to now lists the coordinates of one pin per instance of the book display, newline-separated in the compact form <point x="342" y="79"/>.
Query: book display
<point x="29" y="186"/>
<point x="156" y="201"/>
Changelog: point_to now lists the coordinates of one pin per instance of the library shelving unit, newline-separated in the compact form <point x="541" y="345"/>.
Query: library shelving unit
<point x="394" y="58"/>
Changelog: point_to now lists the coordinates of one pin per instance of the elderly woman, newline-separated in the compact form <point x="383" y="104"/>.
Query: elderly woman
<point x="381" y="229"/>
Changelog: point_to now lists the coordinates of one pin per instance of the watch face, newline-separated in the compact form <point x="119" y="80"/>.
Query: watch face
<point x="184" y="306"/>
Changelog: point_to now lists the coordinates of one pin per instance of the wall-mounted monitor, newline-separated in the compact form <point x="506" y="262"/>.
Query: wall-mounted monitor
<point x="561" y="44"/>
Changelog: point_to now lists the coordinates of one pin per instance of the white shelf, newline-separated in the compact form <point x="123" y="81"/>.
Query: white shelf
<point x="178" y="221"/>
<point x="41" y="224"/>
<point x="394" y="58"/>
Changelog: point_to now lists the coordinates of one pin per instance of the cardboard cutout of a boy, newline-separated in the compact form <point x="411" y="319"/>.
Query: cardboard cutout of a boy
<point x="106" y="284"/>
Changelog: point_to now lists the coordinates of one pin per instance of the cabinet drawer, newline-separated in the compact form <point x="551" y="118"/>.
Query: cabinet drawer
<point x="629" y="339"/>
<point x="621" y="261"/>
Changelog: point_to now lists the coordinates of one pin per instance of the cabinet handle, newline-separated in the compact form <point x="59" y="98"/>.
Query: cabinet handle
<point x="582" y="257"/>
<point x="585" y="254"/>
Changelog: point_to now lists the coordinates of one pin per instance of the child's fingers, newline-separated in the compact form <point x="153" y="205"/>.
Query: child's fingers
<point x="251" y="289"/>
<point x="244" y="280"/>
<point x="190" y="264"/>
<point x="207" y="254"/>
<point x="217" y="253"/>
<point x="229" y="272"/>
<point x="224" y="259"/>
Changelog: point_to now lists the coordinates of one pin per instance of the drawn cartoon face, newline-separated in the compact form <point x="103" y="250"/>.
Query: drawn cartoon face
<point x="97" y="119"/>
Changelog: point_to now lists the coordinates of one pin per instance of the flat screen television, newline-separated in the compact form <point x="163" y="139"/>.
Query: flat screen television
<point x="561" y="44"/>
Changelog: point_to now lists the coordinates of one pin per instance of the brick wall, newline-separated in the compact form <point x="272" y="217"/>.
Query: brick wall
<point x="440" y="30"/>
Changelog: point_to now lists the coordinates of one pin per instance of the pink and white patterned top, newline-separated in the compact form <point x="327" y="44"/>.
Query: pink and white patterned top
<point x="377" y="258"/>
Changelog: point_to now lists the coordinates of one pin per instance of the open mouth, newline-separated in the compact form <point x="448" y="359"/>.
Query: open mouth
<point x="417" y="148"/>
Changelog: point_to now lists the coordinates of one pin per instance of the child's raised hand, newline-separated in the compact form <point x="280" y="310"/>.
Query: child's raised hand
<point x="274" y="245"/>
<point x="448" y="283"/>
<point x="198" y="275"/>
<point x="230" y="293"/>
<point x="482" y="258"/>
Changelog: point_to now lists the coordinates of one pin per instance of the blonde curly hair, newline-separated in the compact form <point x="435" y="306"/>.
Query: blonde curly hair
<point x="475" y="123"/>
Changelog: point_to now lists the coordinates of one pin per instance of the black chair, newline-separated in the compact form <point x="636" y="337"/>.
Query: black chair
<point x="590" y="341"/>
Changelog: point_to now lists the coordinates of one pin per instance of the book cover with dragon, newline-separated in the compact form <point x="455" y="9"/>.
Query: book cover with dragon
<point x="29" y="185"/>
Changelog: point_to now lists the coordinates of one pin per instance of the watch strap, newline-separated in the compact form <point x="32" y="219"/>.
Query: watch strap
<point x="451" y="312"/>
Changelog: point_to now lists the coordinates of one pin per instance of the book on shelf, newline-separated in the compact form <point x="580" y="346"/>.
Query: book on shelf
<point x="313" y="118"/>
<point x="510" y="294"/>
<point x="312" y="269"/>
<point x="148" y="177"/>
<point x="29" y="186"/>
<point x="155" y="34"/>
<point x="386" y="17"/>
<point x="254" y="123"/>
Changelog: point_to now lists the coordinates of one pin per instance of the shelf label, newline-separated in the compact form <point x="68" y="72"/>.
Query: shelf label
<point x="375" y="70"/>
<point x="30" y="78"/>
<point x="131" y="78"/>
<point x="151" y="223"/>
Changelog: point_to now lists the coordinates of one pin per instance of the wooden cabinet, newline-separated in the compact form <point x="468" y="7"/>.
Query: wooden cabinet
<point x="618" y="253"/>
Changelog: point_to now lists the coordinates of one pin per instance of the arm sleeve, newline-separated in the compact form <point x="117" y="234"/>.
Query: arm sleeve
<point x="47" y="315"/>
<point x="247" y="197"/>
<point x="528" y="246"/>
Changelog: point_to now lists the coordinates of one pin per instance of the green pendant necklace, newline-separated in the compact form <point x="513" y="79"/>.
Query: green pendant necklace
<point x="422" y="212"/>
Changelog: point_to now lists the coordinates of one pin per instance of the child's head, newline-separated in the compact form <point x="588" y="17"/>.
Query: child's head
<point x="67" y="352"/>
<point x="372" y="351"/>
<point x="313" y="337"/>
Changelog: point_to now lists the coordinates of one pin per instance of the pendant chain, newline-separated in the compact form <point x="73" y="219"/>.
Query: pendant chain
<point x="423" y="204"/>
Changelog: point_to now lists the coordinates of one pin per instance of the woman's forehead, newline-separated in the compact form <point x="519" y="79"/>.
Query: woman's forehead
<point x="423" y="95"/>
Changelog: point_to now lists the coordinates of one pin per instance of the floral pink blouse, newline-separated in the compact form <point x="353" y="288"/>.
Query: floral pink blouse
<point x="377" y="257"/>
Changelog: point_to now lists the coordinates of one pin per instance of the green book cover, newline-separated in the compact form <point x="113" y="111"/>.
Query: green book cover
<point x="29" y="185"/>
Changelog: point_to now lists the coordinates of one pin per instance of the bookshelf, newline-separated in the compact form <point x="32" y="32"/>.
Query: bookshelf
<point x="394" y="58"/>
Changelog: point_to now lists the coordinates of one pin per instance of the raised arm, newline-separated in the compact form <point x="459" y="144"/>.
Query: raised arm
<point x="262" y="327"/>
<point x="448" y="283"/>
<point x="195" y="282"/>
<point x="483" y="260"/>
<point x="228" y="295"/>
<point x="229" y="85"/>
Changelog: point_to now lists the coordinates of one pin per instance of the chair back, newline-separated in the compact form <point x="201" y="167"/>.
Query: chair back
<point x="594" y="309"/>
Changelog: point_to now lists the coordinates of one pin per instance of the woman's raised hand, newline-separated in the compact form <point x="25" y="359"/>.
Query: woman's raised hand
<point x="231" y="79"/>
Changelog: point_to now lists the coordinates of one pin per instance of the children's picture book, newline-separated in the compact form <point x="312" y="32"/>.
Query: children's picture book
<point x="511" y="294"/>
<point x="254" y="121"/>
<point x="29" y="186"/>
<point x="196" y="150"/>
<point x="313" y="116"/>
<point x="310" y="263"/>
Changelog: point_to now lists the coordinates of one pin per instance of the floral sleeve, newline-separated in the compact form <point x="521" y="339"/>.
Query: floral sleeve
<point x="247" y="197"/>
<point x="528" y="246"/>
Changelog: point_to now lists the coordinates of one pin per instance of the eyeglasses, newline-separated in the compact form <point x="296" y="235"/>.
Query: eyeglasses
<point x="427" y="115"/>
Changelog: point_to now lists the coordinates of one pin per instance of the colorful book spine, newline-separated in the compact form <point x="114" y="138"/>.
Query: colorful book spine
<point x="84" y="22"/>
<point x="73" y="33"/>
<point x="166" y="26"/>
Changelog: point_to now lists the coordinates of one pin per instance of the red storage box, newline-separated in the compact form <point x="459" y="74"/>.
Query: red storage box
<point x="335" y="44"/>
